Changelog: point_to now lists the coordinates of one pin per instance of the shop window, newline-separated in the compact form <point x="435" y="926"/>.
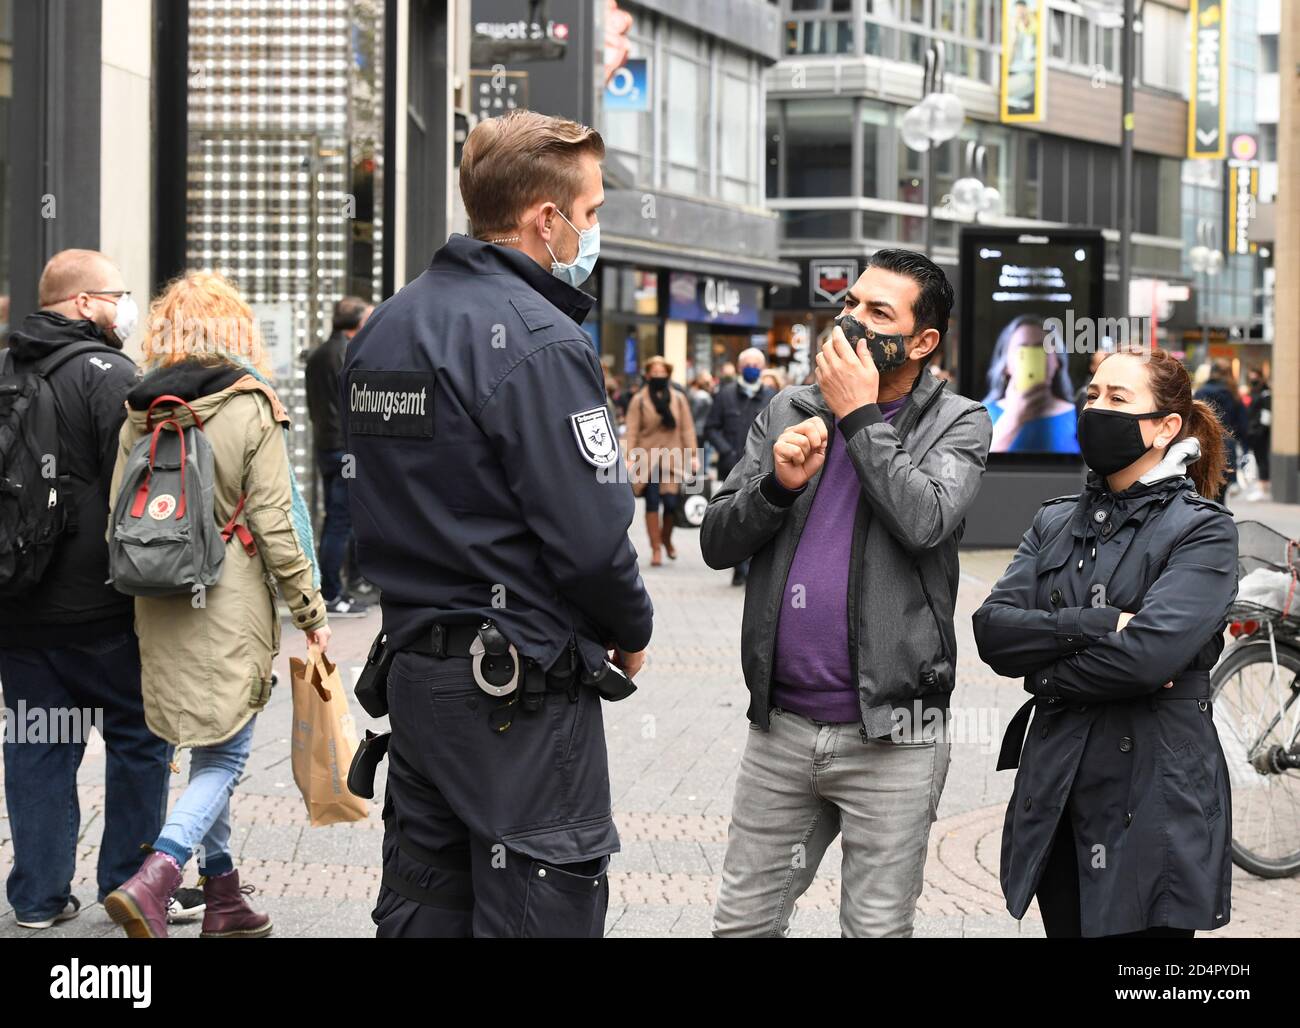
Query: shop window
<point x="737" y="113"/>
<point x="819" y="36"/>
<point x="878" y="41"/>
<point x="685" y="86"/>
<point x="819" y="148"/>
<point x="824" y="224"/>
<point x="876" y="129"/>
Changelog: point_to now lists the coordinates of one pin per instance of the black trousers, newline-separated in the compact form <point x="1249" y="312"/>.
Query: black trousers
<point x="492" y="833"/>
<point x="1058" y="894"/>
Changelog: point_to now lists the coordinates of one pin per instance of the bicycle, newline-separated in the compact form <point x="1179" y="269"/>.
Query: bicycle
<point x="1255" y="687"/>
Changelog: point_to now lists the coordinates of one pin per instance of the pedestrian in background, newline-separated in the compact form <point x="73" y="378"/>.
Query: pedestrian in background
<point x="701" y="397"/>
<point x="1259" y="429"/>
<point x="737" y="403"/>
<point x="67" y="643"/>
<point x="1113" y="611"/>
<point x="1219" y="390"/>
<point x="323" y="390"/>
<point x="661" y="453"/>
<point x="207" y="667"/>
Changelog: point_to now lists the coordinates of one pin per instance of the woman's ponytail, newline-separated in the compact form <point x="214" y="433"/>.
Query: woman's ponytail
<point x="1210" y="472"/>
<point x="1172" y="388"/>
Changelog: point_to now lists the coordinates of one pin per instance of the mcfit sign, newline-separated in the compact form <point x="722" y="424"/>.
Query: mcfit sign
<point x="1208" y="108"/>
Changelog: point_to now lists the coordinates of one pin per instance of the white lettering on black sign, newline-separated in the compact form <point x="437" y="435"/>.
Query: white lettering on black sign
<point x="396" y="403"/>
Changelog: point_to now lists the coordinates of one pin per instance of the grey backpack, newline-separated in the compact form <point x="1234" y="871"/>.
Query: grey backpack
<point x="163" y="535"/>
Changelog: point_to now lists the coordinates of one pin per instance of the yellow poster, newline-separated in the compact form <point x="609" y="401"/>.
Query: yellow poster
<point x="1024" y="60"/>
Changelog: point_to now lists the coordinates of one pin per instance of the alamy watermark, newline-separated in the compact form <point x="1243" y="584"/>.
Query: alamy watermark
<point x="51" y="724"/>
<point x="1071" y="335"/>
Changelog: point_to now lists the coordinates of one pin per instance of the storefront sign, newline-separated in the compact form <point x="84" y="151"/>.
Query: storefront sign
<point x="543" y="62"/>
<point x="275" y="325"/>
<point x="710" y="299"/>
<point x="1241" y="195"/>
<point x="1207" y="110"/>
<point x="629" y="86"/>
<point x="499" y="91"/>
<point x="829" y="281"/>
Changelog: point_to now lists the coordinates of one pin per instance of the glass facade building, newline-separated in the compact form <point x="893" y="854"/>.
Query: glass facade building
<point x="844" y="184"/>
<point x="284" y="154"/>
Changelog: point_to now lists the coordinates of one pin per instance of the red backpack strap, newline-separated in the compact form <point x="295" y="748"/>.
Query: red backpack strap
<point x="142" y="494"/>
<point x="240" y="532"/>
<point x="170" y="401"/>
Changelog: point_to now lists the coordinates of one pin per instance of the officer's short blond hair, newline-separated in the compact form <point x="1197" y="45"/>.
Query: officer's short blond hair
<point x="520" y="159"/>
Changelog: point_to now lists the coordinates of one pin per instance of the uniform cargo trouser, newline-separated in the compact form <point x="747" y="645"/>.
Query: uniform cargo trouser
<point x="486" y="833"/>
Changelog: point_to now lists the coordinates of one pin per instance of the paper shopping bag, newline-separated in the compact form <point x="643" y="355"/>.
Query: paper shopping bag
<point x="324" y="741"/>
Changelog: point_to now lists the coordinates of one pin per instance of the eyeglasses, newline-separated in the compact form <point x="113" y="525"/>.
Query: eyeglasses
<point x="116" y="294"/>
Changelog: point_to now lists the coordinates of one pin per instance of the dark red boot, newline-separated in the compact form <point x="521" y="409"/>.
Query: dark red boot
<point x="139" y="904"/>
<point x="228" y="915"/>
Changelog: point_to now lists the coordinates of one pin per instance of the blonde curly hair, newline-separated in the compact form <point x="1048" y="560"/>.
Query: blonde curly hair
<point x="201" y="315"/>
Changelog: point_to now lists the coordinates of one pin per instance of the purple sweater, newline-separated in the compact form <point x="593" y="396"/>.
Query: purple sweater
<point x="812" y="674"/>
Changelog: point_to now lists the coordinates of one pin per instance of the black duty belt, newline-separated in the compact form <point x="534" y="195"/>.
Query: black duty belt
<point x="1190" y="685"/>
<point x="456" y="641"/>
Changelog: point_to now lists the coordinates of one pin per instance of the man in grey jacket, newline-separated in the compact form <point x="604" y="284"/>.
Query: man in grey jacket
<point x="850" y="500"/>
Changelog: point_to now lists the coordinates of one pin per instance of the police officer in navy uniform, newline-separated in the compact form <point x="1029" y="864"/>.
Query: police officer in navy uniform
<point x="490" y="512"/>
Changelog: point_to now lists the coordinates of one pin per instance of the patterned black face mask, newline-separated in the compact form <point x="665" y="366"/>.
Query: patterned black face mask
<point x="887" y="351"/>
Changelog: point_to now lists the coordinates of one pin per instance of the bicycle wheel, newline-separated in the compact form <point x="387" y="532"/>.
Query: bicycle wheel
<point x="1254" y="712"/>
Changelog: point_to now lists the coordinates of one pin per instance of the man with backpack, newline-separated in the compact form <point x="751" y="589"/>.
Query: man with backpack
<point x="68" y="651"/>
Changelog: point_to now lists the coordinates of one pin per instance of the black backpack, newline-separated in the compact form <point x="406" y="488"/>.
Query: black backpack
<point x="34" y="487"/>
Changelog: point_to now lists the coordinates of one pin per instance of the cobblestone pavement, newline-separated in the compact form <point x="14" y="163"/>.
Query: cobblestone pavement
<point x="675" y="747"/>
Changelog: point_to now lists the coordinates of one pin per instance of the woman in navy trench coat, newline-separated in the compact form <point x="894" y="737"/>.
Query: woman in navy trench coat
<point x="1113" y="610"/>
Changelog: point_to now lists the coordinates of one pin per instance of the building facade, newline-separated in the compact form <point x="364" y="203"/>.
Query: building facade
<point x="1229" y="204"/>
<point x="688" y="251"/>
<point x="252" y="137"/>
<point x="844" y="183"/>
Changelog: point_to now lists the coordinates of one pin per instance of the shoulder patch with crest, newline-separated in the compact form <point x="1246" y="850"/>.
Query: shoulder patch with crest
<point x="595" y="435"/>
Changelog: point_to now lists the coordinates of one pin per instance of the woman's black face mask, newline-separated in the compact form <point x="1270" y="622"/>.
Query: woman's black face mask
<point x="1112" y="440"/>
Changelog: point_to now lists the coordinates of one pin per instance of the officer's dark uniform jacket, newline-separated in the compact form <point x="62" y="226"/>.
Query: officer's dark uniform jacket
<point x="487" y="487"/>
<point x="473" y="498"/>
<point x="1136" y="767"/>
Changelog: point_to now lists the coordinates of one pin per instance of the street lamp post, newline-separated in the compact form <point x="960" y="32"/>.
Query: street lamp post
<point x="1128" y="54"/>
<point x="1125" y="14"/>
<point x="970" y="196"/>
<point x="935" y="120"/>
<point x="1207" y="261"/>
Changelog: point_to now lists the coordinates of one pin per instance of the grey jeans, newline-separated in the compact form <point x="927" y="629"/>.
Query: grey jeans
<point x="800" y="785"/>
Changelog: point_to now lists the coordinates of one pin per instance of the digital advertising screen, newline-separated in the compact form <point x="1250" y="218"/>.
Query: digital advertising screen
<point x="1030" y="319"/>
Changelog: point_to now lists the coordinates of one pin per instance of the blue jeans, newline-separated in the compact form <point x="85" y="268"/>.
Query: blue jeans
<point x="199" y="824"/>
<point x="337" y="529"/>
<point x="49" y="685"/>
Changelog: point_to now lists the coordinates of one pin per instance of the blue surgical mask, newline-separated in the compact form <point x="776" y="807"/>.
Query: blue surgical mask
<point x="751" y="373"/>
<point x="580" y="268"/>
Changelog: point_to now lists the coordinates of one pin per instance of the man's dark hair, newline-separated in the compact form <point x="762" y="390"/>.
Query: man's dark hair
<point x="348" y="312"/>
<point x="933" y="305"/>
